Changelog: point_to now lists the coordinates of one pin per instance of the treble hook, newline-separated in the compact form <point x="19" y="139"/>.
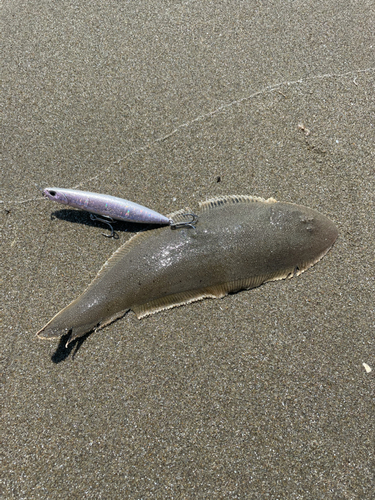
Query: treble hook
<point x="109" y="221"/>
<point x="190" y="223"/>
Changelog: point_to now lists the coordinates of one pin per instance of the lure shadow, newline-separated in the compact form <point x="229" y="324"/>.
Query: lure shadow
<point x="80" y="217"/>
<point x="63" y="350"/>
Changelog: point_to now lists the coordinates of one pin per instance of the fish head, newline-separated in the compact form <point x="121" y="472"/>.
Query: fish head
<point x="56" y="194"/>
<point x="305" y="234"/>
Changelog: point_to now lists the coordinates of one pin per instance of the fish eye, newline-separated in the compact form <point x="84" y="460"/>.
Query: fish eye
<point x="52" y="193"/>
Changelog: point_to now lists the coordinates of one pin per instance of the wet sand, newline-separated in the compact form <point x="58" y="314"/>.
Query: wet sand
<point x="262" y="394"/>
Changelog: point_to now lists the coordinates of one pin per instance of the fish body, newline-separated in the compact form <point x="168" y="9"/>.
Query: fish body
<point x="239" y="242"/>
<point x="102" y="204"/>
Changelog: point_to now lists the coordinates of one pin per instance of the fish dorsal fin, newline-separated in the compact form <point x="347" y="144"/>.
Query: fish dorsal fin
<point x="219" y="201"/>
<point x="133" y="241"/>
<point x="179" y="215"/>
<point x="122" y="251"/>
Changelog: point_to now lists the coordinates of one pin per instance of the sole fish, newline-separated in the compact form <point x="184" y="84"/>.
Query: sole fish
<point x="239" y="242"/>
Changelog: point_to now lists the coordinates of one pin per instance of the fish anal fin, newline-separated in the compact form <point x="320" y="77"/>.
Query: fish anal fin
<point x="214" y="292"/>
<point x="178" y="299"/>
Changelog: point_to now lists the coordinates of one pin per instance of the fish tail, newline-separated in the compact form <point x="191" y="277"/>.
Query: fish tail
<point x="72" y="319"/>
<point x="81" y="316"/>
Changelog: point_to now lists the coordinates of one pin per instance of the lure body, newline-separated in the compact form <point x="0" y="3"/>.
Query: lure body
<point x="110" y="206"/>
<point x="239" y="242"/>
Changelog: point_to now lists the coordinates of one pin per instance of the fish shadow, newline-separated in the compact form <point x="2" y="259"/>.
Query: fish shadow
<point x="63" y="350"/>
<point x="80" y="217"/>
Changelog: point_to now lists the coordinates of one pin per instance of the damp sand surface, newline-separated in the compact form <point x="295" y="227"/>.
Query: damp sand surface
<point x="262" y="394"/>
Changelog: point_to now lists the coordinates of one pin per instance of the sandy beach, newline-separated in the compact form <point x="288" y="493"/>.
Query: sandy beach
<point x="264" y="394"/>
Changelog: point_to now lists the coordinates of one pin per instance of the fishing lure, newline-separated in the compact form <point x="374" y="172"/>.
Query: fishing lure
<point x="112" y="208"/>
<point x="239" y="243"/>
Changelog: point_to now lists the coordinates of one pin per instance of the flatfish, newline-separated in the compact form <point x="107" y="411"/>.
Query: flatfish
<point x="238" y="242"/>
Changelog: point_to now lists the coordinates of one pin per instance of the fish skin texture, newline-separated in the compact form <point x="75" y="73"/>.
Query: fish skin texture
<point x="239" y="242"/>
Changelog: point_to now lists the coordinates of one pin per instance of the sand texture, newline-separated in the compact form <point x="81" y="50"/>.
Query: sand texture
<point x="259" y="395"/>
